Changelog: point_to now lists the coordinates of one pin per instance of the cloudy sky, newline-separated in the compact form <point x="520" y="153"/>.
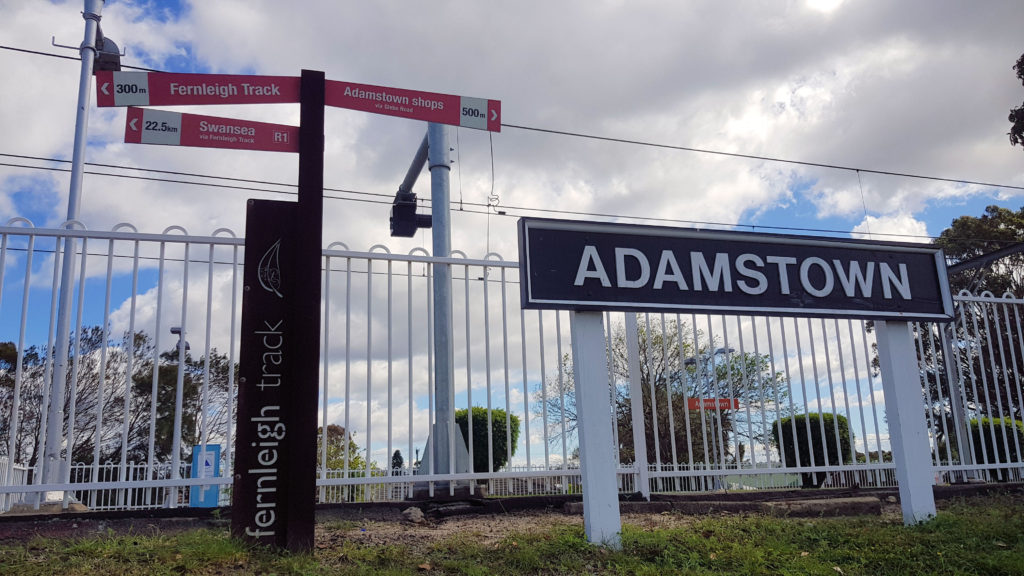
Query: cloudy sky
<point x="911" y="87"/>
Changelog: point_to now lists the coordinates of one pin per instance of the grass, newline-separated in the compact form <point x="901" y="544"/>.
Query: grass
<point x="980" y="535"/>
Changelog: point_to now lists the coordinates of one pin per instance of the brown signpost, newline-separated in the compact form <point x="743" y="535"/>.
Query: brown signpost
<point x="275" y="458"/>
<point x="275" y="447"/>
<point x="263" y="461"/>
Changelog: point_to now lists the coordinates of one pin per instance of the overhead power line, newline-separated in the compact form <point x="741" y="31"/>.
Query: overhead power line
<point x="762" y="158"/>
<point x="385" y="199"/>
<point x="668" y="146"/>
<point x="65" y="57"/>
<point x="375" y="197"/>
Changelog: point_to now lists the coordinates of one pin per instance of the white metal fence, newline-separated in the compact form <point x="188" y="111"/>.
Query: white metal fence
<point x="13" y="475"/>
<point x="701" y="402"/>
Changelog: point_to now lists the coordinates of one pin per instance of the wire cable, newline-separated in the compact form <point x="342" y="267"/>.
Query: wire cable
<point x="487" y="208"/>
<point x="756" y="157"/>
<point x="75" y="58"/>
<point x="663" y="146"/>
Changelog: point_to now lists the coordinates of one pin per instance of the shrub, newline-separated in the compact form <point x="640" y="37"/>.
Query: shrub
<point x="499" y="440"/>
<point x="987" y="450"/>
<point x="837" y="451"/>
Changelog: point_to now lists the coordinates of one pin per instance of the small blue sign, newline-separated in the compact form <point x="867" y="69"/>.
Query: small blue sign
<point x="205" y="464"/>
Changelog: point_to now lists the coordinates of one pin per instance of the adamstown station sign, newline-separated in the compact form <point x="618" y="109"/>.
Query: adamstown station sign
<point x="586" y="266"/>
<point x="589" y="268"/>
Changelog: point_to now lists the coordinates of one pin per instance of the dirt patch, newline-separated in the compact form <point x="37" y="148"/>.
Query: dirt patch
<point x="76" y="526"/>
<point x="485" y="529"/>
<point x="490" y="529"/>
<point x="487" y="521"/>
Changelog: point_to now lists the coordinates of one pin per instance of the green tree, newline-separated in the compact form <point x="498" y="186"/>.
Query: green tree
<point x="164" y="402"/>
<point x="970" y="237"/>
<point x="822" y="439"/>
<point x="96" y="403"/>
<point x="673" y="370"/>
<point x="342" y="453"/>
<point x="502" y="425"/>
<point x="982" y="339"/>
<point x="998" y="440"/>
<point x="109" y="387"/>
<point x="991" y="441"/>
<point x="30" y="400"/>
<point x="1017" y="114"/>
<point x="341" y="449"/>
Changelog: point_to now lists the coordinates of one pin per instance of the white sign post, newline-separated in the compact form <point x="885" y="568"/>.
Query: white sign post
<point x="908" y="431"/>
<point x="601" y="520"/>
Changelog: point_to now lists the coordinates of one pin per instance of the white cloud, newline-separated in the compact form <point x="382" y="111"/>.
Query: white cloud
<point x="902" y="227"/>
<point x="910" y="87"/>
<point x="861" y="84"/>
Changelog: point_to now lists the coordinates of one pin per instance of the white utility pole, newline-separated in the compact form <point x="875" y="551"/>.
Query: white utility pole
<point x="52" y="461"/>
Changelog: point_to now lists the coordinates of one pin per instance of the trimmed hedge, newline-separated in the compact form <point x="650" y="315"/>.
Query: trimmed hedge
<point x="499" y="439"/>
<point x="988" y="451"/>
<point x="837" y="451"/>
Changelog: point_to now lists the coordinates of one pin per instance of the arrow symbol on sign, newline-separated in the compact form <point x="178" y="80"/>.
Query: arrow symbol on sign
<point x="104" y="88"/>
<point x="132" y="124"/>
<point x="494" y="115"/>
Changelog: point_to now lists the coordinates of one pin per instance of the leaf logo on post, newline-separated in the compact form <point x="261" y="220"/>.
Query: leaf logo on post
<point x="270" y="269"/>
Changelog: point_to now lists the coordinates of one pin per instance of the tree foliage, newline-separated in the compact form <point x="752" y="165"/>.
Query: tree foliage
<point x="819" y="439"/>
<point x="979" y="354"/>
<point x="674" y="369"/>
<point x="1017" y="114"/>
<point x="969" y="237"/>
<point x="341" y="449"/>
<point x="501" y="450"/>
<point x="110" y="385"/>
<point x="997" y="440"/>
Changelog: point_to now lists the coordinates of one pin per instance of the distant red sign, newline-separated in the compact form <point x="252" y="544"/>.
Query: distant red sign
<point x="167" y="89"/>
<point x="713" y="403"/>
<point x="478" y="113"/>
<point x="148" y="126"/>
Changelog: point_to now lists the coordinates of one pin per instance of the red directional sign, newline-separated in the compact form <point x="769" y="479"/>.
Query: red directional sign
<point x="478" y="113"/>
<point x="712" y="403"/>
<point x="166" y="89"/>
<point x="148" y="126"/>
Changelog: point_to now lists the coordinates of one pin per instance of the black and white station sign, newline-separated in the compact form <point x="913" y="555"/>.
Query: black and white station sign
<point x="587" y="266"/>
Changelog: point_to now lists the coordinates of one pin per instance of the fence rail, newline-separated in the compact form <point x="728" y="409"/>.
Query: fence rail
<point x="701" y="402"/>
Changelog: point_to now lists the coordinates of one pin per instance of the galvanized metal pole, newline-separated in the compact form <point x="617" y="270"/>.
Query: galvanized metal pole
<point x="444" y="398"/>
<point x="52" y="462"/>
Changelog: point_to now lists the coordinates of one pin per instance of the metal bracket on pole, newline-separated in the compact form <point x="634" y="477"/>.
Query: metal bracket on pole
<point x="404" y="219"/>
